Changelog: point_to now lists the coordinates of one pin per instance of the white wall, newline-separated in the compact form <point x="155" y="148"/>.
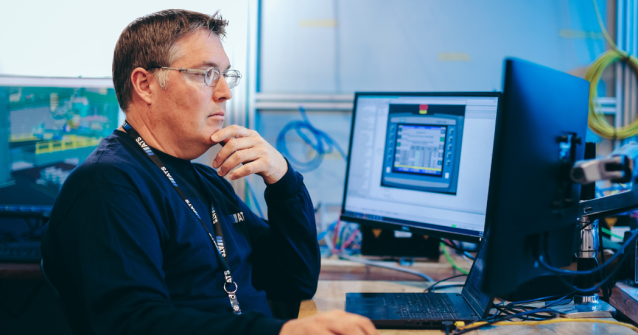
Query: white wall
<point x="71" y="38"/>
<point x="343" y="46"/>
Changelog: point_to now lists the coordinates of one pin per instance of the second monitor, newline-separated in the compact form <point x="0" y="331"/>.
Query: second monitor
<point x="421" y="161"/>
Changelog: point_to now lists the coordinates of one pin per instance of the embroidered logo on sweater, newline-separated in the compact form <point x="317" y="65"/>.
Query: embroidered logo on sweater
<point x="237" y="217"/>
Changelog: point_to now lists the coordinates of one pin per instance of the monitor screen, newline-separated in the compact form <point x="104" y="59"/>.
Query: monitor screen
<point x="48" y="127"/>
<point x="421" y="160"/>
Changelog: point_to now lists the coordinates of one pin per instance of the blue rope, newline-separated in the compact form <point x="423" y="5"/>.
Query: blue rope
<point x="322" y="143"/>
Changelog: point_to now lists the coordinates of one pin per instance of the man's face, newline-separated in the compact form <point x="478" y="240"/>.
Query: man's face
<point x="192" y="110"/>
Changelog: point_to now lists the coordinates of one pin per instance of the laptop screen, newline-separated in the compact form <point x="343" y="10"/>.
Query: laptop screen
<point x="480" y="301"/>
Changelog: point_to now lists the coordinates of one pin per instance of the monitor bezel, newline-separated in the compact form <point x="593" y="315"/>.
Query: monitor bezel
<point x="415" y="228"/>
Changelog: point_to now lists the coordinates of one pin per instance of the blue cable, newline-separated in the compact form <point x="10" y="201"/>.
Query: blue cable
<point x="323" y="143"/>
<point x="325" y="232"/>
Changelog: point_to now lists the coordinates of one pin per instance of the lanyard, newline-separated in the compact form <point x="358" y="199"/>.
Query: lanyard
<point x="217" y="243"/>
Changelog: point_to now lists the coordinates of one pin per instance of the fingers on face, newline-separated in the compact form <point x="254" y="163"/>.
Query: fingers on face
<point x="247" y="169"/>
<point x="230" y="132"/>
<point x="233" y="145"/>
<point x="242" y="156"/>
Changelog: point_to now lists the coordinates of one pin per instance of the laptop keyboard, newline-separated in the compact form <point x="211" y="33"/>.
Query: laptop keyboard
<point x="415" y="306"/>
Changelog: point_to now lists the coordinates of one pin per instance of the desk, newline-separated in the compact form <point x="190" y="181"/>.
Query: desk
<point x="20" y="271"/>
<point x="331" y="294"/>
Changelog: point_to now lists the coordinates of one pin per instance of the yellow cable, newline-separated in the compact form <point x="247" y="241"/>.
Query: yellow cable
<point x="597" y="121"/>
<point x="478" y="325"/>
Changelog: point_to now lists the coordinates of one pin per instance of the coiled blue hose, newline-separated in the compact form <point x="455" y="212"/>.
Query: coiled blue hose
<point x="322" y="143"/>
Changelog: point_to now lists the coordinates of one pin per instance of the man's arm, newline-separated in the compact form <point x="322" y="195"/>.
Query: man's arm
<point x="286" y="259"/>
<point x="115" y="260"/>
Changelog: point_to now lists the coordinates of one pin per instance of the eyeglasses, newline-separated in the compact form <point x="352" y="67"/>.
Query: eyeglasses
<point x="211" y="76"/>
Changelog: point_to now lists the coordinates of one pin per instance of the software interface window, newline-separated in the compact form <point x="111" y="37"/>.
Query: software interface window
<point x="423" y="146"/>
<point x="422" y="160"/>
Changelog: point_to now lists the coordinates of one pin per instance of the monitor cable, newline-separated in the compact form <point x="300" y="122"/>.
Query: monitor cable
<point x="543" y="261"/>
<point x="561" y="272"/>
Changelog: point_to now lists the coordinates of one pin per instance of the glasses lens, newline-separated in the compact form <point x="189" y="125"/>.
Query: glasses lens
<point x="232" y="78"/>
<point x="211" y="77"/>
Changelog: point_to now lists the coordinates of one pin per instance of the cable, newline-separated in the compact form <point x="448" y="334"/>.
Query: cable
<point x="538" y="323"/>
<point x="431" y="288"/>
<point x="450" y="260"/>
<point x="479" y="324"/>
<point x="597" y="121"/>
<point x="595" y="287"/>
<point x="349" y="240"/>
<point x="607" y="289"/>
<point x="386" y="266"/>
<point x="608" y="232"/>
<point x="323" y="143"/>
<point x="621" y="251"/>
<point x="334" y="237"/>
<point x="514" y="306"/>
<point x="325" y="232"/>
<point x="450" y="244"/>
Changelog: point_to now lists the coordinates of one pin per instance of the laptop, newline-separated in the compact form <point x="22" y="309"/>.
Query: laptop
<point x="426" y="310"/>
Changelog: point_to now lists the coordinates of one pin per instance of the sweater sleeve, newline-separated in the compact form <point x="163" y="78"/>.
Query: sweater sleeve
<point x="112" y="250"/>
<point x="286" y="255"/>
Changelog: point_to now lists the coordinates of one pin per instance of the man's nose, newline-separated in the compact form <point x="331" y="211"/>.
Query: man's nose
<point x="222" y="92"/>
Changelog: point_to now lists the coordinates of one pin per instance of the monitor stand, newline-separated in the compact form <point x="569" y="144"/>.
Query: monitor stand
<point x="587" y="305"/>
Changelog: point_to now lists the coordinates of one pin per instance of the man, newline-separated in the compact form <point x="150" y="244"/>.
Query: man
<point x="142" y="241"/>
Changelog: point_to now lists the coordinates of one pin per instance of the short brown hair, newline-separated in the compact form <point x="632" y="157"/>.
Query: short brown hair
<point x="149" y="42"/>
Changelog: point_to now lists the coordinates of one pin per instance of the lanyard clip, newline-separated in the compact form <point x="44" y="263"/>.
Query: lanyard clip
<point x="234" y="303"/>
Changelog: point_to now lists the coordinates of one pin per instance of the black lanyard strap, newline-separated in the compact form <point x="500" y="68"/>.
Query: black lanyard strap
<point x="218" y="243"/>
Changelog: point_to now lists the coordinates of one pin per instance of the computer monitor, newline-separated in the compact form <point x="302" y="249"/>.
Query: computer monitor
<point x="542" y="132"/>
<point x="421" y="162"/>
<point x="48" y="126"/>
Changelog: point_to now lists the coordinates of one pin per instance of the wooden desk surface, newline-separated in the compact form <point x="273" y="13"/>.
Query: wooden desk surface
<point x="331" y="295"/>
<point x="20" y="271"/>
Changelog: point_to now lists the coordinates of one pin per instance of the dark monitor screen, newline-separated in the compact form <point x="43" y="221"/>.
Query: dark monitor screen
<point x="48" y="126"/>
<point x="421" y="161"/>
<point x="532" y="197"/>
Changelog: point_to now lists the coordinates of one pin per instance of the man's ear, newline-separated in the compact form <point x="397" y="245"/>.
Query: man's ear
<point x="141" y="81"/>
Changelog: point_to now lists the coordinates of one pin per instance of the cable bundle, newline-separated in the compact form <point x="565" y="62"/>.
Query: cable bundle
<point x="322" y="143"/>
<point x="597" y="121"/>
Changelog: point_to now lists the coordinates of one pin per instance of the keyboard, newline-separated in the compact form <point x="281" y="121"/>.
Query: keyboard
<point x="419" y="306"/>
<point x="20" y="252"/>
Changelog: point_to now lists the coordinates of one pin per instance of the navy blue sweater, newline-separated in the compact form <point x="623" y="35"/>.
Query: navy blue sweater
<point x="129" y="257"/>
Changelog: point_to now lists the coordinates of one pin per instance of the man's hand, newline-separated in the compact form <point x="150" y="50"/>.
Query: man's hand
<point x="241" y="145"/>
<point x="330" y="323"/>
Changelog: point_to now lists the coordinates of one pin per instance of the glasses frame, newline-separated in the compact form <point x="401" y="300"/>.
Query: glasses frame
<point x="216" y="74"/>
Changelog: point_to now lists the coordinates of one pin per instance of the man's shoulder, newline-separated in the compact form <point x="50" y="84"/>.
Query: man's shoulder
<point x="112" y="162"/>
